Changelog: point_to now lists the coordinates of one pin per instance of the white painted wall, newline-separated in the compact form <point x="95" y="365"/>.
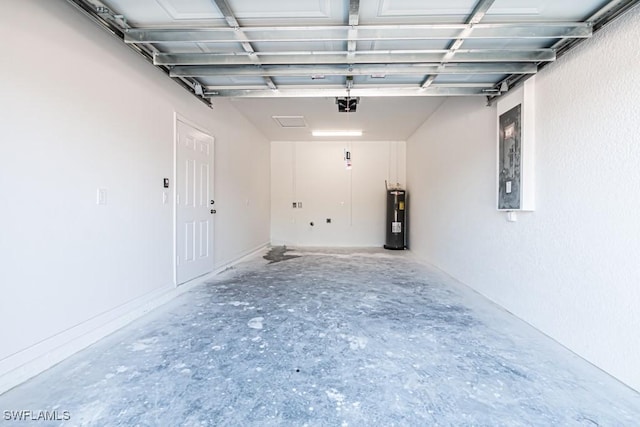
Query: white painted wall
<point x="315" y="174"/>
<point x="80" y="111"/>
<point x="571" y="268"/>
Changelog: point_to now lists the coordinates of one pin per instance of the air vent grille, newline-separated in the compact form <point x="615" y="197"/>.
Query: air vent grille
<point x="290" y="121"/>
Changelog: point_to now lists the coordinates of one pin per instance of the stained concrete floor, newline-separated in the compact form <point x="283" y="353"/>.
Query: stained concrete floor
<point x="330" y="338"/>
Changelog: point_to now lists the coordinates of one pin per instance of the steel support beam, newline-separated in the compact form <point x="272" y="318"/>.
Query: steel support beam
<point x="355" y="70"/>
<point x="117" y="28"/>
<point x="343" y="58"/>
<point x="357" y="91"/>
<point x="511" y="66"/>
<point x="537" y="30"/>
<point x="476" y="16"/>
<point x="241" y="36"/>
<point x="354" y="19"/>
<point x="599" y="19"/>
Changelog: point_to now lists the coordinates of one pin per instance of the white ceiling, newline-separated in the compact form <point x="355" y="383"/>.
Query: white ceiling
<point x="294" y="57"/>
<point x="380" y="119"/>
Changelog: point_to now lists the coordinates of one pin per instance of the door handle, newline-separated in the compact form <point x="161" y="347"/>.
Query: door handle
<point x="213" y="211"/>
<point x="212" y="202"/>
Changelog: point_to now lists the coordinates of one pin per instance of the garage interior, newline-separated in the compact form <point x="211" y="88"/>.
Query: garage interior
<point x="151" y="166"/>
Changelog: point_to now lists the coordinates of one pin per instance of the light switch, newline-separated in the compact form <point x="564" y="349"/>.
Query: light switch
<point x="508" y="189"/>
<point x="102" y="196"/>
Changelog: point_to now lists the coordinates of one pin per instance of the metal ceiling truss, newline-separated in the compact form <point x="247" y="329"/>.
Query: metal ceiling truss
<point x="353" y="70"/>
<point x="241" y="37"/>
<point x="117" y="26"/>
<point x="474" y="19"/>
<point x="339" y="91"/>
<point x="538" y="30"/>
<point x="293" y="58"/>
<point x="608" y="13"/>
<point x="360" y="57"/>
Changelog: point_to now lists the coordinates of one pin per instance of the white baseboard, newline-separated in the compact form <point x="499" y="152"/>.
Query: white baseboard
<point x="28" y="363"/>
<point x="248" y="254"/>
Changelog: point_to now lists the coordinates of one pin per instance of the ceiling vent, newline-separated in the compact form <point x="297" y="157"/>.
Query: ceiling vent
<point x="290" y="122"/>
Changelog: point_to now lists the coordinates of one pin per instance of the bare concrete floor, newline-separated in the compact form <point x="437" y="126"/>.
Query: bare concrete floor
<point x="329" y="338"/>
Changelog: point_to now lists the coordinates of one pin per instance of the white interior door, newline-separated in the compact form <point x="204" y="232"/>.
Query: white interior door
<point x="194" y="202"/>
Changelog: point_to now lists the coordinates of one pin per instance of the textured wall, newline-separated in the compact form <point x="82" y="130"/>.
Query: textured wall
<point x="571" y="267"/>
<point x="80" y="111"/>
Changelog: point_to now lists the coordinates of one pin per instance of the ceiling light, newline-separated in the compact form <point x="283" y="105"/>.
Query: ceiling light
<point x="336" y="133"/>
